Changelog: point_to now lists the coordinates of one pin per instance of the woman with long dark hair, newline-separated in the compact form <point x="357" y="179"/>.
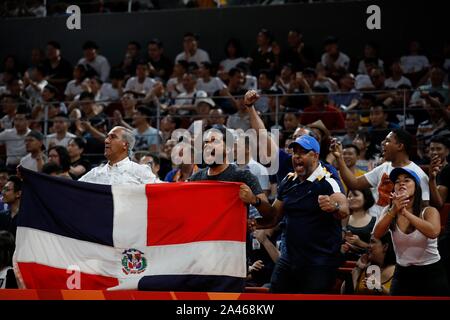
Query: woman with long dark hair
<point x="59" y="156"/>
<point x="415" y="229"/>
<point x="380" y="253"/>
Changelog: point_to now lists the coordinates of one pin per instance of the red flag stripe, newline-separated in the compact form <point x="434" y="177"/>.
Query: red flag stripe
<point x="212" y="210"/>
<point x="38" y="276"/>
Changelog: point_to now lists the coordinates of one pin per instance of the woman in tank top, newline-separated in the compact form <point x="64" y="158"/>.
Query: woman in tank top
<point x="414" y="229"/>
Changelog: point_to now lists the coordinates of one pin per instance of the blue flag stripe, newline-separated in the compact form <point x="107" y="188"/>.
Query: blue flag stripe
<point x="72" y="209"/>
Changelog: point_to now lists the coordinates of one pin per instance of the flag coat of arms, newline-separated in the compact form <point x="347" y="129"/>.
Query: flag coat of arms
<point x="159" y="237"/>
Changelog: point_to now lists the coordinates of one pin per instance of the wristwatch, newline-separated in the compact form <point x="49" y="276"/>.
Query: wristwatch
<point x="258" y="202"/>
<point x="337" y="206"/>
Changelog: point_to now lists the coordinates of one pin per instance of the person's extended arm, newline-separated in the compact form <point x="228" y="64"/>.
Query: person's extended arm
<point x="271" y="249"/>
<point x="271" y="214"/>
<point x="257" y="124"/>
<point x="352" y="182"/>
<point x="429" y="226"/>
<point x="438" y="193"/>
<point x="336" y="203"/>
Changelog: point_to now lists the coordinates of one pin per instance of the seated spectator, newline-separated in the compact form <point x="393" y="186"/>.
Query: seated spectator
<point x="124" y="117"/>
<point x="168" y="124"/>
<point x="213" y="86"/>
<point x="60" y="157"/>
<point x="96" y="61"/>
<point x="185" y="102"/>
<point x="111" y="92"/>
<point x="352" y="124"/>
<point x="35" y="83"/>
<point x="161" y="67"/>
<point x="14" y="139"/>
<point x="333" y="59"/>
<point x="437" y="77"/>
<point x="147" y="137"/>
<point x="262" y="257"/>
<point x="216" y="117"/>
<point x="233" y="52"/>
<point x="191" y="51"/>
<point x="351" y="154"/>
<point x="365" y="160"/>
<point x="266" y="86"/>
<point x="58" y="69"/>
<point x="436" y="124"/>
<point x="415" y="228"/>
<point x="263" y="56"/>
<point x="75" y="87"/>
<point x="141" y="83"/>
<point x="397" y="79"/>
<point x="154" y="162"/>
<point x="244" y="153"/>
<point x="175" y="83"/>
<point x="346" y="92"/>
<point x="359" y="225"/>
<point x="240" y="119"/>
<point x="7" y="245"/>
<point x="379" y="126"/>
<point x="290" y="121"/>
<point x="300" y="86"/>
<point x="414" y="64"/>
<point x="439" y="172"/>
<point x="182" y="173"/>
<point x="285" y="78"/>
<point x="78" y="164"/>
<point x="50" y="105"/>
<point x="9" y="106"/>
<point x="131" y="58"/>
<point x="296" y="54"/>
<point x="35" y="159"/>
<point x="61" y="136"/>
<point x="203" y="106"/>
<point x="370" y="53"/>
<point x="12" y="193"/>
<point x="320" y="110"/>
<point x="380" y="253"/>
<point x="250" y="81"/>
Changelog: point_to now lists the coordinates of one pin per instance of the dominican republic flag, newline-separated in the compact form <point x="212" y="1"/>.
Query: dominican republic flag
<point x="159" y="237"/>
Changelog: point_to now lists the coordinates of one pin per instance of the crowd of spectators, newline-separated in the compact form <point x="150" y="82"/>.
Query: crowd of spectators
<point x="369" y="115"/>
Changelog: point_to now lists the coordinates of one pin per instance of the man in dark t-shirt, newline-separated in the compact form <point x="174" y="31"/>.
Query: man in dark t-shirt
<point x="219" y="169"/>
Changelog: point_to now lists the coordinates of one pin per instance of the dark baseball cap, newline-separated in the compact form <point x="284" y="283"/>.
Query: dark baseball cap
<point x="398" y="171"/>
<point x="36" y="134"/>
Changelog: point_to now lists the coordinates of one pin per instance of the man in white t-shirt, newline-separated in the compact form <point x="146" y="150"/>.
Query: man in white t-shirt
<point x="14" y="139"/>
<point x="98" y="62"/>
<point x="397" y="79"/>
<point x="141" y="83"/>
<point x="35" y="84"/>
<point x="395" y="150"/>
<point x="191" y="51"/>
<point x="61" y="136"/>
<point x="414" y="62"/>
<point x="211" y="85"/>
<point x="333" y="58"/>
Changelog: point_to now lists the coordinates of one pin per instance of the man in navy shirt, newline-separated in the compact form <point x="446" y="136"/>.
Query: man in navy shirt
<point x="313" y="206"/>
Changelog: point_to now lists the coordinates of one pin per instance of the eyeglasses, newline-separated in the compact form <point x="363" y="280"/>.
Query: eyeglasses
<point x="6" y="189"/>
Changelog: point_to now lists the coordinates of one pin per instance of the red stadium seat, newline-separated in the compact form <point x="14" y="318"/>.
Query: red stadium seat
<point x="256" y="290"/>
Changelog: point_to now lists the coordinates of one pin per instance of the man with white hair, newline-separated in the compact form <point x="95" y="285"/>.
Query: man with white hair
<point x="120" y="169"/>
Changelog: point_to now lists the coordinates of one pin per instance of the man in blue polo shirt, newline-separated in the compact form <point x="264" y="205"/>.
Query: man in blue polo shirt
<point x="313" y="206"/>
